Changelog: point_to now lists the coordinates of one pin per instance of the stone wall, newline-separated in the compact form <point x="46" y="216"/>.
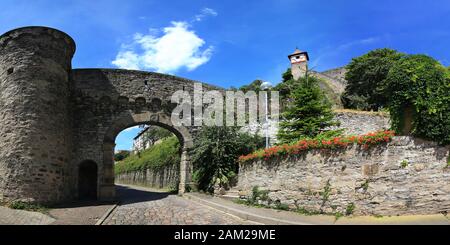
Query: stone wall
<point x="165" y="178"/>
<point x="353" y="123"/>
<point x="336" y="73"/>
<point x="54" y="118"/>
<point x="35" y="117"/>
<point x="360" y="122"/>
<point x="406" y="176"/>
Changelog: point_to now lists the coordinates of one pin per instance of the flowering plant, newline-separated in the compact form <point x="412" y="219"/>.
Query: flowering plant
<point x="366" y="141"/>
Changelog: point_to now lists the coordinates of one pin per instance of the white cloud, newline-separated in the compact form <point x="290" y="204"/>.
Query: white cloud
<point x="365" y="41"/>
<point x="178" y="47"/>
<point x="127" y="60"/>
<point x="204" y="13"/>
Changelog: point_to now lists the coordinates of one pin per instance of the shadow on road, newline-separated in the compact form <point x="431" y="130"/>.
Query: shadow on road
<point x="125" y="195"/>
<point x="81" y="203"/>
<point x="128" y="195"/>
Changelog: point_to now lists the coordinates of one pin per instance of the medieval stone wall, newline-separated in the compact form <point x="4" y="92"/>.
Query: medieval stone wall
<point x="352" y="122"/>
<point x="337" y="73"/>
<point x="406" y="176"/>
<point x="54" y="118"/>
<point x="107" y="101"/>
<point x="35" y="132"/>
<point x="165" y="178"/>
<point x="361" y="122"/>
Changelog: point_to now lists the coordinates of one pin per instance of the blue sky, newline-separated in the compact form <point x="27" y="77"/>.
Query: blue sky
<point x="231" y="43"/>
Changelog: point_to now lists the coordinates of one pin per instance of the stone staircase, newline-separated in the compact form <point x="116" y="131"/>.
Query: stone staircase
<point x="231" y="194"/>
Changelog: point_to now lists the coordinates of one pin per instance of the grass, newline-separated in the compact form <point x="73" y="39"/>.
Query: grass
<point x="304" y="211"/>
<point x="404" y="164"/>
<point x="19" y="205"/>
<point x="350" y="208"/>
<point x="156" y="157"/>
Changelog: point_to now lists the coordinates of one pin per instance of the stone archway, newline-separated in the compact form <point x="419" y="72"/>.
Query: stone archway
<point x="107" y="189"/>
<point x="74" y="117"/>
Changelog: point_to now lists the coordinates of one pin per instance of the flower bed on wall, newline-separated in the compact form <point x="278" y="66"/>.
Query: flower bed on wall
<point x="366" y="141"/>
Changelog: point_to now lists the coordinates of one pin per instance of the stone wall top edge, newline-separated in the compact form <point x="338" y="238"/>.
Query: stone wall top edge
<point x="125" y="72"/>
<point x="397" y="141"/>
<point x="37" y="30"/>
<point x="362" y="113"/>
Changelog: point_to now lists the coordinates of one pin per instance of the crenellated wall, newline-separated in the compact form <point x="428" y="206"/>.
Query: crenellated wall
<point x="405" y="176"/>
<point x="54" y="118"/>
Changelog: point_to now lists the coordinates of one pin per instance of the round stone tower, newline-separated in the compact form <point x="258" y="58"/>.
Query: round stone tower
<point x="35" y="135"/>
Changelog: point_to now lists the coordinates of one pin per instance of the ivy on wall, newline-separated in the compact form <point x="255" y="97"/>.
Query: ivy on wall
<point x="422" y="85"/>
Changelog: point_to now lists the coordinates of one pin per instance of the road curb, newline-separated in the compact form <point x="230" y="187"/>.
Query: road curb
<point x="106" y="215"/>
<point x="243" y="214"/>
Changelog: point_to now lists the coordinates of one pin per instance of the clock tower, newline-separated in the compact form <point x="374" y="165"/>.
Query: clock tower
<point x="299" y="63"/>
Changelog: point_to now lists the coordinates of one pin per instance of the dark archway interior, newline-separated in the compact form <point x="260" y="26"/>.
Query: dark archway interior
<point x="87" y="181"/>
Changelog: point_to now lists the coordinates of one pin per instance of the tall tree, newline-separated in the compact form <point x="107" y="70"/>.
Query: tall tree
<point x="308" y="114"/>
<point x="216" y="152"/>
<point x="365" y="76"/>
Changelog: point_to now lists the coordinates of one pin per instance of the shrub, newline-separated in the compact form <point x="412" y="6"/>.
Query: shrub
<point x="216" y="152"/>
<point x="19" y="205"/>
<point x="421" y="83"/>
<point x="120" y="155"/>
<point x="365" y="78"/>
<point x="365" y="141"/>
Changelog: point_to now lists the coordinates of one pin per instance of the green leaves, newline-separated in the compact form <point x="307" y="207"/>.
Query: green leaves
<point x="308" y="114"/>
<point x="366" y="79"/>
<point x="421" y="82"/>
<point x="164" y="154"/>
<point x="216" y="152"/>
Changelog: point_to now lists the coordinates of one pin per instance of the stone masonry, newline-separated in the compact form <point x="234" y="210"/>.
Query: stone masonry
<point x="55" y="118"/>
<point x="165" y="178"/>
<point x="405" y="176"/>
<point x="352" y="122"/>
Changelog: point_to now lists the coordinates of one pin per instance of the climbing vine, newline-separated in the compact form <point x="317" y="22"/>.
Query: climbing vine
<point x="422" y="84"/>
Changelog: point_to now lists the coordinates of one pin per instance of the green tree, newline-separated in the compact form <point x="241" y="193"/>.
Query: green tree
<point x="254" y="86"/>
<point x="365" y="76"/>
<point x="308" y="114"/>
<point x="120" y="155"/>
<point x="216" y="152"/>
<point x="421" y="83"/>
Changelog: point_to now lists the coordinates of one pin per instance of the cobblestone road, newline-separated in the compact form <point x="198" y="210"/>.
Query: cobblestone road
<point x="140" y="206"/>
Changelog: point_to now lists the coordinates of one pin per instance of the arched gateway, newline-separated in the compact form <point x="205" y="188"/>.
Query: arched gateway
<point x="54" y="119"/>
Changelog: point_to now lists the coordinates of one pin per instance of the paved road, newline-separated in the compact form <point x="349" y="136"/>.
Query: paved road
<point x="21" y="217"/>
<point x="141" y="206"/>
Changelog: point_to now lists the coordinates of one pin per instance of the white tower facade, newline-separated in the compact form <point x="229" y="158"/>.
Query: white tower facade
<point x="299" y="63"/>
